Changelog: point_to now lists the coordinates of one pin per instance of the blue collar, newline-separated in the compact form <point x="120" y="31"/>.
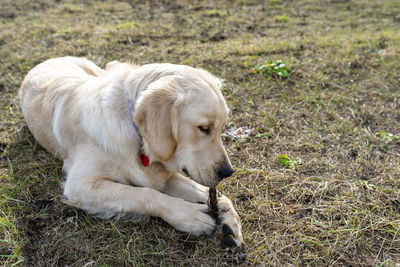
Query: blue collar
<point x="143" y="157"/>
<point x="131" y="106"/>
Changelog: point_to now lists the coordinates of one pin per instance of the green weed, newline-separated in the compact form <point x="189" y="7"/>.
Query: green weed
<point x="285" y="161"/>
<point x="281" y="19"/>
<point x="275" y="68"/>
<point x="275" y="2"/>
<point x="127" y="25"/>
<point x="388" y="137"/>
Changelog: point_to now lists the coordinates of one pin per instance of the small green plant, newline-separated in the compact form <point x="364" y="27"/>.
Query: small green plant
<point x="275" y="68"/>
<point x="275" y="2"/>
<point x="281" y="19"/>
<point x="388" y="137"/>
<point x="365" y="184"/>
<point x="127" y="25"/>
<point x="285" y="161"/>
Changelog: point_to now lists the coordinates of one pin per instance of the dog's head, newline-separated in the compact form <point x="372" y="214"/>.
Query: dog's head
<point x="181" y="118"/>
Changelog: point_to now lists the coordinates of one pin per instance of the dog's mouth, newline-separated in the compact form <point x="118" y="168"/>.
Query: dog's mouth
<point x="185" y="171"/>
<point x="199" y="179"/>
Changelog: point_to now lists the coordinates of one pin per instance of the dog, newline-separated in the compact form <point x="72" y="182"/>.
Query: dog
<point x="135" y="140"/>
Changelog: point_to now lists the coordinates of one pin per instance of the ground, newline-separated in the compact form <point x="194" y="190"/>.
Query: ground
<point x="338" y="111"/>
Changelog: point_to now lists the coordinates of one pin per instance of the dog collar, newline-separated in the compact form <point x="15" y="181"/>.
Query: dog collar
<point x="131" y="106"/>
<point x="143" y="157"/>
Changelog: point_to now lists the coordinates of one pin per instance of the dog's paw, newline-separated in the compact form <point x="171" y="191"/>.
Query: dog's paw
<point x="229" y="229"/>
<point x="191" y="218"/>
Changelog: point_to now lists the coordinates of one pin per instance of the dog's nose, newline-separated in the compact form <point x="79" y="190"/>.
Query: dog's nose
<point x="224" y="171"/>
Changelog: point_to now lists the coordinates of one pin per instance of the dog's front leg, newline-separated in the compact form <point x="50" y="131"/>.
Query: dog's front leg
<point x="229" y="222"/>
<point x="99" y="194"/>
<point x="181" y="187"/>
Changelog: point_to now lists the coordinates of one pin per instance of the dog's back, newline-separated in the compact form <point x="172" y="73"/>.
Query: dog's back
<point x="48" y="92"/>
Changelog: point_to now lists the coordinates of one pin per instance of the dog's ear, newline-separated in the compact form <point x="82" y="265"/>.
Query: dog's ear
<point x="156" y="115"/>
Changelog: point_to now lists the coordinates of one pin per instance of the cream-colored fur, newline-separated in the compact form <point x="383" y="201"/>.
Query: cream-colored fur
<point x="80" y="112"/>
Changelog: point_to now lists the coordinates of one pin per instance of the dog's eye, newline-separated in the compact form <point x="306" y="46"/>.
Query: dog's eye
<point x="204" y="129"/>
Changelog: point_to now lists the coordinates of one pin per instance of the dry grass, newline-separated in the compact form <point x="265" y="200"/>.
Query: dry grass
<point x="341" y="207"/>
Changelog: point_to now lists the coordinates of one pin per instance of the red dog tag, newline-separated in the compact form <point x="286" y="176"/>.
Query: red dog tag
<point x="145" y="160"/>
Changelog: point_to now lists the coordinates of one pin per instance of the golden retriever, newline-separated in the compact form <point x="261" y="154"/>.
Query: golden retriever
<point x="134" y="139"/>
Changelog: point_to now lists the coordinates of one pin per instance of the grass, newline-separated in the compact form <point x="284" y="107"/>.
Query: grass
<point x="340" y="207"/>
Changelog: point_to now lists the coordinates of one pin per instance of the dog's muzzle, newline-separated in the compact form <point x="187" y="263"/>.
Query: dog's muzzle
<point x="224" y="171"/>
